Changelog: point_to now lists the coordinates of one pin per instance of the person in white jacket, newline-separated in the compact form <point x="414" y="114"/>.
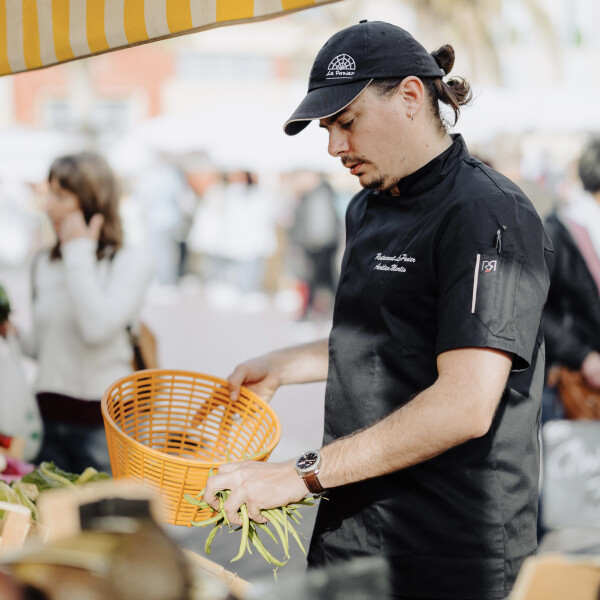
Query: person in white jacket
<point x="86" y="291"/>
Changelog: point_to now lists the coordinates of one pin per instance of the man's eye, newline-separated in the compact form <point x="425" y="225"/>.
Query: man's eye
<point x="347" y="124"/>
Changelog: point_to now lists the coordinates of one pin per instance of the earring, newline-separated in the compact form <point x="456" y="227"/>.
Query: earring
<point x="411" y="115"/>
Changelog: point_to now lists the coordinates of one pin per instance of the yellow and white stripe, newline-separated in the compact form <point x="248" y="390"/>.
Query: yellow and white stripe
<point x="40" y="33"/>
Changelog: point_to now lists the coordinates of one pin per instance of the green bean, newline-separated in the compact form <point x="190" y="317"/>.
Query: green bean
<point x="280" y="518"/>
<point x="292" y="531"/>
<point x="305" y="501"/>
<point x="196" y="502"/>
<point x="261" y="550"/>
<point x="296" y="537"/>
<point x="292" y="515"/>
<point x="210" y="538"/>
<point x="255" y="539"/>
<point x="285" y="529"/>
<point x="222" y="497"/>
<point x="255" y="455"/>
<point x="282" y="536"/>
<point x="266" y="529"/>
<point x="218" y="517"/>
<point x="245" y="531"/>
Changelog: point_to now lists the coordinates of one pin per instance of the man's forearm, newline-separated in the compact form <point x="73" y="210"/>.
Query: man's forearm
<point x="302" y="364"/>
<point x="410" y="435"/>
<point x="459" y="406"/>
<point x="452" y="411"/>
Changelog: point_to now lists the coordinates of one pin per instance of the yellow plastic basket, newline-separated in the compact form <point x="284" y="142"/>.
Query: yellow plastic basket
<point x="167" y="428"/>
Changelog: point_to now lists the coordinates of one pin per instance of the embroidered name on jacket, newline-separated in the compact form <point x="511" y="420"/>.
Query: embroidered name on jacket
<point x="390" y="263"/>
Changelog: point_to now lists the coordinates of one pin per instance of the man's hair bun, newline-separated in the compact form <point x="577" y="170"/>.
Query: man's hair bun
<point x="444" y="57"/>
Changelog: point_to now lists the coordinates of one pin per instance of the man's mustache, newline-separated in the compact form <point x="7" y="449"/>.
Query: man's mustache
<point x="353" y="160"/>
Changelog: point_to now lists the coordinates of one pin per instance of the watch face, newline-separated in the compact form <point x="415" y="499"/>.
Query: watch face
<point x="307" y="460"/>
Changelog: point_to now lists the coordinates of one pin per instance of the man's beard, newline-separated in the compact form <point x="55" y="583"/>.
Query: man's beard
<point x="381" y="184"/>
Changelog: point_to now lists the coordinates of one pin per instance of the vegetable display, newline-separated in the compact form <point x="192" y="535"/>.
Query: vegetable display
<point x="46" y="476"/>
<point x="282" y="519"/>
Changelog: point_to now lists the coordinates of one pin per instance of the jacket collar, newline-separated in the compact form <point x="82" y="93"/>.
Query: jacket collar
<point x="429" y="175"/>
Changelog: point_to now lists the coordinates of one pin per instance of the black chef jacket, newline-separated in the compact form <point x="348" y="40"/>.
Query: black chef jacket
<point x="458" y="259"/>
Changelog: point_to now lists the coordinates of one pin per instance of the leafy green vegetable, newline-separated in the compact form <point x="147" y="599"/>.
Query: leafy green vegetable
<point x="6" y="495"/>
<point x="46" y="476"/>
<point x="91" y="474"/>
<point x="29" y="489"/>
<point x="25" y="501"/>
<point x="6" y="492"/>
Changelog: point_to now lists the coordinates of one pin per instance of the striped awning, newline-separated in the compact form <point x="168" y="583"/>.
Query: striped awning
<point x="40" y="33"/>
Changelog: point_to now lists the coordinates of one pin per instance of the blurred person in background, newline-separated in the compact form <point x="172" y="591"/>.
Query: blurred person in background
<point x="572" y="314"/>
<point x="167" y="202"/>
<point x="86" y="290"/>
<point x="249" y="231"/>
<point x="435" y="360"/>
<point x="534" y="179"/>
<point x="208" y="230"/>
<point x="316" y="230"/>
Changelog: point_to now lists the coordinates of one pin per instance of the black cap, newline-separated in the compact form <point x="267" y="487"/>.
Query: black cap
<point x="350" y="60"/>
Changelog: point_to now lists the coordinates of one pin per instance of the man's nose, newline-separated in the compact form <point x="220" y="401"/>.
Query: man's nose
<point x="338" y="143"/>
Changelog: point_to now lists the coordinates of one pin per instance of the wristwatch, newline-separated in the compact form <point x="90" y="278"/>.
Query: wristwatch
<point x="307" y="466"/>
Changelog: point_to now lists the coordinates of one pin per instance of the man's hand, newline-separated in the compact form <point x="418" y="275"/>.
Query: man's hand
<point x="297" y="364"/>
<point x="258" y="485"/>
<point x="258" y="375"/>
<point x="74" y="226"/>
<point x="591" y="369"/>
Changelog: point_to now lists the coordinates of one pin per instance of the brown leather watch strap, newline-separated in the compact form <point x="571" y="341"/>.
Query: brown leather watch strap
<point x="313" y="484"/>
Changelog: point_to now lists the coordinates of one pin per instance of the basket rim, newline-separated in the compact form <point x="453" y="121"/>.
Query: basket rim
<point x="186" y="462"/>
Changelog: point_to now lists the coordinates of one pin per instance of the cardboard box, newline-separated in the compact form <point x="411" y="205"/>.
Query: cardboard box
<point x="558" y="577"/>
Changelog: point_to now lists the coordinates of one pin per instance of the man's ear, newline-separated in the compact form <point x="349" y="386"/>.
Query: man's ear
<point x="412" y="93"/>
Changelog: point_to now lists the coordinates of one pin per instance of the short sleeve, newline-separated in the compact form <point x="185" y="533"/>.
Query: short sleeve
<point x="493" y="271"/>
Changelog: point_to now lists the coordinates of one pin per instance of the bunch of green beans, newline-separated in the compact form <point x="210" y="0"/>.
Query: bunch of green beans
<point x="282" y="520"/>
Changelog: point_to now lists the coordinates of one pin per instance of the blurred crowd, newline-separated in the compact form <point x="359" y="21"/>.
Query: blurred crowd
<point x="254" y="235"/>
<point x="251" y="232"/>
<point x="251" y="236"/>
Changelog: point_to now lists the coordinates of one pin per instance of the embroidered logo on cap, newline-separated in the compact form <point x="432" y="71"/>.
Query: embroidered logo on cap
<point x="343" y="66"/>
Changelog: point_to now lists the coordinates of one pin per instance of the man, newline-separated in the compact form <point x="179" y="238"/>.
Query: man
<point x="434" y="365"/>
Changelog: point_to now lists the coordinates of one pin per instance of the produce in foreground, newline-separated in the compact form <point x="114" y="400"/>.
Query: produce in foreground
<point x="46" y="476"/>
<point x="282" y="520"/>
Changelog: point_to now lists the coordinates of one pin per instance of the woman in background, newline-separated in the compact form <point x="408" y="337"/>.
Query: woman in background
<point x="86" y="290"/>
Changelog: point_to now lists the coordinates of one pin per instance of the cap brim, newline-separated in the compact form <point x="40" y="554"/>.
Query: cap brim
<point x="322" y="103"/>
